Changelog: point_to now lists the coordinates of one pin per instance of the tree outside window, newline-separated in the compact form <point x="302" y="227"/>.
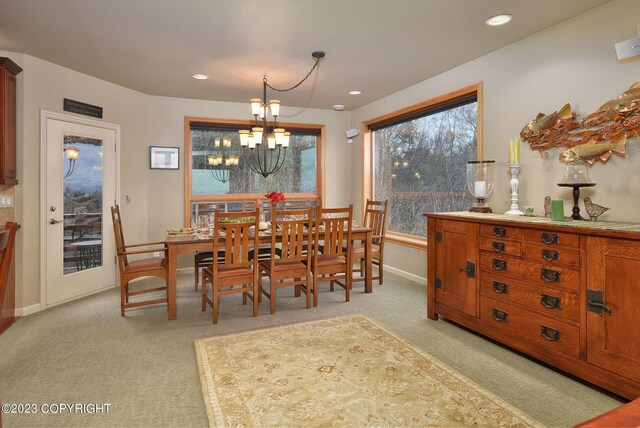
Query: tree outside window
<point x="419" y="164"/>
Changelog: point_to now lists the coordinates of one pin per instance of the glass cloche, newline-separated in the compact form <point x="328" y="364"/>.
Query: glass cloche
<point x="481" y="177"/>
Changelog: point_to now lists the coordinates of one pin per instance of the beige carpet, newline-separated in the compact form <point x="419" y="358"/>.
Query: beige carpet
<point x="346" y="371"/>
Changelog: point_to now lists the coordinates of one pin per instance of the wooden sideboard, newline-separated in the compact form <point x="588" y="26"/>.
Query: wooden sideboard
<point x="565" y="293"/>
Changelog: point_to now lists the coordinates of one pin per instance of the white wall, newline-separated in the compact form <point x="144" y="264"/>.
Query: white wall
<point x="573" y="62"/>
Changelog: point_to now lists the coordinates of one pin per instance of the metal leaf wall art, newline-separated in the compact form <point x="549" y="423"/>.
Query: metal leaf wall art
<point x="592" y="138"/>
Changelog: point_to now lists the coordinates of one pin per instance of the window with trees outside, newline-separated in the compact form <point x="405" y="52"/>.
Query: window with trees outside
<point x="299" y="177"/>
<point x="417" y="160"/>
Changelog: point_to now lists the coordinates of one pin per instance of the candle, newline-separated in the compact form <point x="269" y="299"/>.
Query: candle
<point x="511" y="150"/>
<point x="514" y="151"/>
<point x="480" y="189"/>
<point x="557" y="210"/>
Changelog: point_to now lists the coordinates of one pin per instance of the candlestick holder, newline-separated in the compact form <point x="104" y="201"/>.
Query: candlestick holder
<point x="515" y="185"/>
<point x="480" y="179"/>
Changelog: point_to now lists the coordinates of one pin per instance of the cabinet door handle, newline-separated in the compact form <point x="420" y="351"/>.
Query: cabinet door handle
<point x="598" y="305"/>
<point x="549" y="238"/>
<point x="499" y="231"/>
<point x="500" y="287"/>
<point x="551" y="334"/>
<point x="499" y="315"/>
<point x="549" y="275"/>
<point x="550" y="255"/>
<point x="550" y="302"/>
<point x="499" y="264"/>
<point x="497" y="246"/>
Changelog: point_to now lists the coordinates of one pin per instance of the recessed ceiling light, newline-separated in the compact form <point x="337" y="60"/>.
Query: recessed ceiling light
<point x="498" y="19"/>
<point x="338" y="107"/>
<point x="200" y="76"/>
<point x="355" y="92"/>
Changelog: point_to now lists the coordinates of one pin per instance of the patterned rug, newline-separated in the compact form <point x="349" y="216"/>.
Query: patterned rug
<point x="345" y="371"/>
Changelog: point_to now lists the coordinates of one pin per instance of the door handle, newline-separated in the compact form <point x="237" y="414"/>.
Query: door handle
<point x="54" y="221"/>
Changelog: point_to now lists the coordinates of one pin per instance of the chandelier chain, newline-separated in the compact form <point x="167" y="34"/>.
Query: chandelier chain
<point x="297" y="84"/>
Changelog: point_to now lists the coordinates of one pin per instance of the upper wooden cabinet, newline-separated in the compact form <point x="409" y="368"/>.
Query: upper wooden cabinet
<point x="8" y="72"/>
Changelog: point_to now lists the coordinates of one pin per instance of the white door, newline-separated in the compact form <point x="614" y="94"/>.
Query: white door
<point x="80" y="188"/>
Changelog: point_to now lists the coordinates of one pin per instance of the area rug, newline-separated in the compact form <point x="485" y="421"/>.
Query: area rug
<point x="345" y="371"/>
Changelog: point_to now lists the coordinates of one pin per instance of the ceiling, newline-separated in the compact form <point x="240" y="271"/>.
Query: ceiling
<point x="377" y="46"/>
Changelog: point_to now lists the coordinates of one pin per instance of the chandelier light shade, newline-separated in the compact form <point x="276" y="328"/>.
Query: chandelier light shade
<point x="221" y="162"/>
<point x="264" y="147"/>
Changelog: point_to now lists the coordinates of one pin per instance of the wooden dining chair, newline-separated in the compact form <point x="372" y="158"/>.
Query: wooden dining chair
<point x="331" y="260"/>
<point x="289" y="265"/>
<point x="204" y="258"/>
<point x="237" y="272"/>
<point x="375" y="217"/>
<point x="132" y="269"/>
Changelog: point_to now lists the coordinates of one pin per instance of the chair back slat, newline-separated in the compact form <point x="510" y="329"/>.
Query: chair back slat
<point x="119" y="237"/>
<point x="291" y="225"/>
<point x="375" y="217"/>
<point x="234" y="230"/>
<point x="337" y="224"/>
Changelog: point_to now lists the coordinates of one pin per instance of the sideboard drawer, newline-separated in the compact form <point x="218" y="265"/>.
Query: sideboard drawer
<point x="551" y="238"/>
<point x="531" y="326"/>
<point x="544" y="300"/>
<point x="524" y="270"/>
<point x="550" y="254"/>
<point x="500" y="232"/>
<point x="499" y="246"/>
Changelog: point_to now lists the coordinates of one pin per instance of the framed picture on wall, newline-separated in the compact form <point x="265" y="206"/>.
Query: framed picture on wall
<point x="164" y="157"/>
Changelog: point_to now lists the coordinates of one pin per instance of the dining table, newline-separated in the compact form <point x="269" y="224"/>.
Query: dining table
<point x="190" y="243"/>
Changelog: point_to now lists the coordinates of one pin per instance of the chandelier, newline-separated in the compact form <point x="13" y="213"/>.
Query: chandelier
<point x="265" y="148"/>
<point x="222" y="163"/>
<point x="72" y="154"/>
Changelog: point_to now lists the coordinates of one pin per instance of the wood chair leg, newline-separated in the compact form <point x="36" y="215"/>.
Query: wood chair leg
<point x="272" y="301"/>
<point x="307" y="290"/>
<point x="361" y="268"/>
<point x="380" y="273"/>
<point x="244" y="295"/>
<point x="296" y="289"/>
<point x="331" y="285"/>
<point x="197" y="276"/>
<point x="215" y="303"/>
<point x="122" y="301"/>
<point x="315" y="291"/>
<point x="255" y="299"/>
<point x="347" y="287"/>
<point x="204" y="293"/>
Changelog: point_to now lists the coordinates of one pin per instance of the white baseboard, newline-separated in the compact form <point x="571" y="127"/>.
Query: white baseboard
<point x="28" y="310"/>
<point x="406" y="275"/>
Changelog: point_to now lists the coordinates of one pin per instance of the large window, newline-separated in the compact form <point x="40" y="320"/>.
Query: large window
<point x="299" y="177"/>
<point x="418" y="161"/>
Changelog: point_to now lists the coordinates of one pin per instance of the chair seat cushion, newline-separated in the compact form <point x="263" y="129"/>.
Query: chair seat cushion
<point x="358" y="252"/>
<point x="329" y="261"/>
<point x="282" y="266"/>
<point x="235" y="271"/>
<point x="146" y="264"/>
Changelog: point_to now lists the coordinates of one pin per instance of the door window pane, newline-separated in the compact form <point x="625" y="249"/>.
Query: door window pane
<point x="420" y="165"/>
<point x="82" y="238"/>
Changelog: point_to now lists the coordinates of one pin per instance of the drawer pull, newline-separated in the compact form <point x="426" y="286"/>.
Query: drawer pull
<point x="550" y="302"/>
<point x="497" y="246"/>
<point x="499" y="264"/>
<point x="549" y="238"/>
<point x="499" y="315"/>
<point x="551" y="334"/>
<point x="500" y="287"/>
<point x="549" y="275"/>
<point x="550" y="255"/>
<point x="499" y="231"/>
